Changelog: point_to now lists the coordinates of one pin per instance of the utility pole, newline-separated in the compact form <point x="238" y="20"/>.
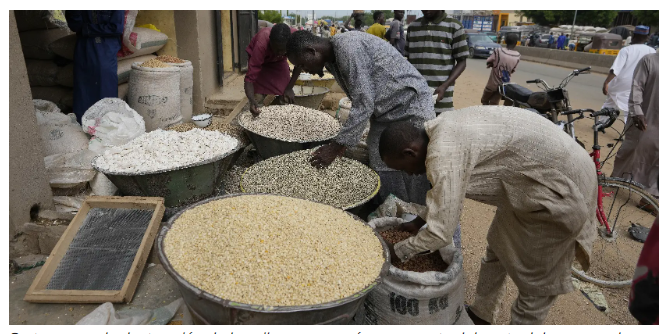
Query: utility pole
<point x="572" y="31"/>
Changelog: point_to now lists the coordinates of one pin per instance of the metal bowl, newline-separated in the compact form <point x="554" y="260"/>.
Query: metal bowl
<point x="269" y="147"/>
<point x="209" y="309"/>
<point x="180" y="186"/>
<point x="309" y="96"/>
<point x="349" y="207"/>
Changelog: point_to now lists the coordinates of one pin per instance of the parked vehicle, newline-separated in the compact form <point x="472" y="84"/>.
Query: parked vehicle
<point x="606" y="44"/>
<point x="492" y="35"/>
<point x="522" y="32"/>
<point x="539" y="40"/>
<point x="480" y="45"/>
<point x="551" y="102"/>
<point x="583" y="40"/>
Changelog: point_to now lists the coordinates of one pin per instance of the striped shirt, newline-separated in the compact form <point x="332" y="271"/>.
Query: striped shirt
<point x="433" y="47"/>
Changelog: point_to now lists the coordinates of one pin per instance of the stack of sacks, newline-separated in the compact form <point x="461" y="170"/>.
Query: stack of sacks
<point x="37" y="30"/>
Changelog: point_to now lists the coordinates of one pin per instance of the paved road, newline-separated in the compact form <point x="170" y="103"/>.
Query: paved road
<point x="585" y="90"/>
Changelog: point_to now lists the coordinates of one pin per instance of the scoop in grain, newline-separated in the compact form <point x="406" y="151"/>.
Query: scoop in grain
<point x="419" y="263"/>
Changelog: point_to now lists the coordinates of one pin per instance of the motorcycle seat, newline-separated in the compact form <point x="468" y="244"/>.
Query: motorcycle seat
<point x="517" y="92"/>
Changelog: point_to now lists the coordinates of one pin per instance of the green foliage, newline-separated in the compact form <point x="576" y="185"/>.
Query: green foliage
<point x="647" y="17"/>
<point x="272" y="16"/>
<point x="598" y="18"/>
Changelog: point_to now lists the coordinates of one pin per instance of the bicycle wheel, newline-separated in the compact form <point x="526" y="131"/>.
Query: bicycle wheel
<point x="614" y="256"/>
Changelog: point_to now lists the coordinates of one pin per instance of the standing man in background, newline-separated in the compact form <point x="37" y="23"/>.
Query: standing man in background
<point x="638" y="157"/>
<point x="560" y="42"/>
<point x="551" y="40"/>
<point x="358" y="22"/>
<point x="502" y="60"/>
<point x="378" y="28"/>
<point x="396" y="34"/>
<point x="99" y="39"/>
<point x="437" y="47"/>
<point x="619" y="81"/>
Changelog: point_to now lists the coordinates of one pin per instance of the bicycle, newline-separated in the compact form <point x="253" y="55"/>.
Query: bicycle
<point x="619" y="201"/>
<point x="548" y="103"/>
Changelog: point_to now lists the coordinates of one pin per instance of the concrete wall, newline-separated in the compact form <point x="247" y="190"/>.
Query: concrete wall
<point x="570" y="59"/>
<point x="226" y="28"/>
<point x="196" y="36"/>
<point x="28" y="184"/>
<point x="164" y="20"/>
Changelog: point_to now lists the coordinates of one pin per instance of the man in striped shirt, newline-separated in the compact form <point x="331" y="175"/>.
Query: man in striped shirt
<point x="437" y="47"/>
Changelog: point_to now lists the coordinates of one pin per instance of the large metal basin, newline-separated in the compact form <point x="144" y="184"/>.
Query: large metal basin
<point x="309" y="96"/>
<point x="208" y="309"/>
<point x="268" y="147"/>
<point x="180" y="186"/>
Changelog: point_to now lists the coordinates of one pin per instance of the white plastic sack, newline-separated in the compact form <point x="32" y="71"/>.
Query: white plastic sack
<point x="69" y="170"/>
<point x="112" y="122"/>
<point x="69" y="204"/>
<point x="411" y="298"/>
<point x="154" y="93"/>
<point x="65" y="76"/>
<point x="107" y="315"/>
<point x="60" y="133"/>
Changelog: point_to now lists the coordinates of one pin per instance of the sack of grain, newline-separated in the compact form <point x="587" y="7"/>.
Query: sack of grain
<point x="70" y="170"/>
<point x="143" y="41"/>
<point x="36" y="43"/>
<point x="112" y="122"/>
<point x="344" y="106"/>
<point x="39" y="19"/>
<point x="42" y="73"/>
<point x="185" y="89"/>
<point x="413" y="298"/>
<point x="154" y="93"/>
<point x="123" y="91"/>
<point x="149" y="41"/>
<point x="63" y="97"/>
<point x="65" y="76"/>
<point x="60" y="133"/>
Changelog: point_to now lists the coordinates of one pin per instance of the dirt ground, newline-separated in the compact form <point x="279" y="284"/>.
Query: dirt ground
<point x="569" y="309"/>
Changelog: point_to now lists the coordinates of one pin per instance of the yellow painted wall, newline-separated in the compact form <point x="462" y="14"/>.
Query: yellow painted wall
<point x="164" y="20"/>
<point x="226" y="30"/>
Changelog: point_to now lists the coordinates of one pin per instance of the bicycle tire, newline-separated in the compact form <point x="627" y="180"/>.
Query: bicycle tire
<point x="602" y="273"/>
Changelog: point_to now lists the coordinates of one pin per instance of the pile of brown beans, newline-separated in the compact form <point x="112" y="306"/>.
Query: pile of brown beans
<point x="419" y="263"/>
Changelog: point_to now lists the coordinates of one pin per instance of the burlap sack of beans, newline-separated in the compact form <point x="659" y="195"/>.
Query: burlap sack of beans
<point x="185" y="89"/>
<point x="123" y="91"/>
<point x="148" y="41"/>
<point x="42" y="73"/>
<point x="63" y="97"/>
<point x="65" y="76"/>
<point x="39" y="19"/>
<point x="412" y="298"/>
<point x="154" y="93"/>
<point x="35" y="43"/>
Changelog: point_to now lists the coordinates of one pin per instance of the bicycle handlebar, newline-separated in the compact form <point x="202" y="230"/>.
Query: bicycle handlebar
<point x="584" y="70"/>
<point x="578" y="111"/>
<point x="611" y="112"/>
<point x="532" y="81"/>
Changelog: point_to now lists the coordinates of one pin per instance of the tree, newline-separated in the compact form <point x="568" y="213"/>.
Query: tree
<point x="647" y="17"/>
<point x="601" y="18"/>
<point x="272" y="16"/>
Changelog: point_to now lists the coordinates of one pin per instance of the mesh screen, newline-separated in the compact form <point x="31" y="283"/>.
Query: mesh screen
<point x="101" y="253"/>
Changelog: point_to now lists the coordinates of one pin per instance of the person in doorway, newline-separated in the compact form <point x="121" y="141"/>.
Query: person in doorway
<point x="560" y="42"/>
<point x="268" y="70"/>
<point x="502" y="60"/>
<point x="551" y="40"/>
<point x="396" y="33"/>
<point x="378" y="28"/>
<point x="545" y="204"/>
<point x="619" y="80"/>
<point x="98" y="40"/>
<point x="383" y="88"/>
<point x="437" y="47"/>
<point x="638" y="157"/>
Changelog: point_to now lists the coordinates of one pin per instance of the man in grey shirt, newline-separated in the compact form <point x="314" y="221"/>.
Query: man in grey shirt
<point x="383" y="87"/>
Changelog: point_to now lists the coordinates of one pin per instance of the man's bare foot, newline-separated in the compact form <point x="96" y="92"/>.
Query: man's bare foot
<point x="475" y="318"/>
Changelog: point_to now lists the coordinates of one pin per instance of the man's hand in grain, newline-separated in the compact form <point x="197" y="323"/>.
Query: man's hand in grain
<point x="255" y="110"/>
<point x="326" y="154"/>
